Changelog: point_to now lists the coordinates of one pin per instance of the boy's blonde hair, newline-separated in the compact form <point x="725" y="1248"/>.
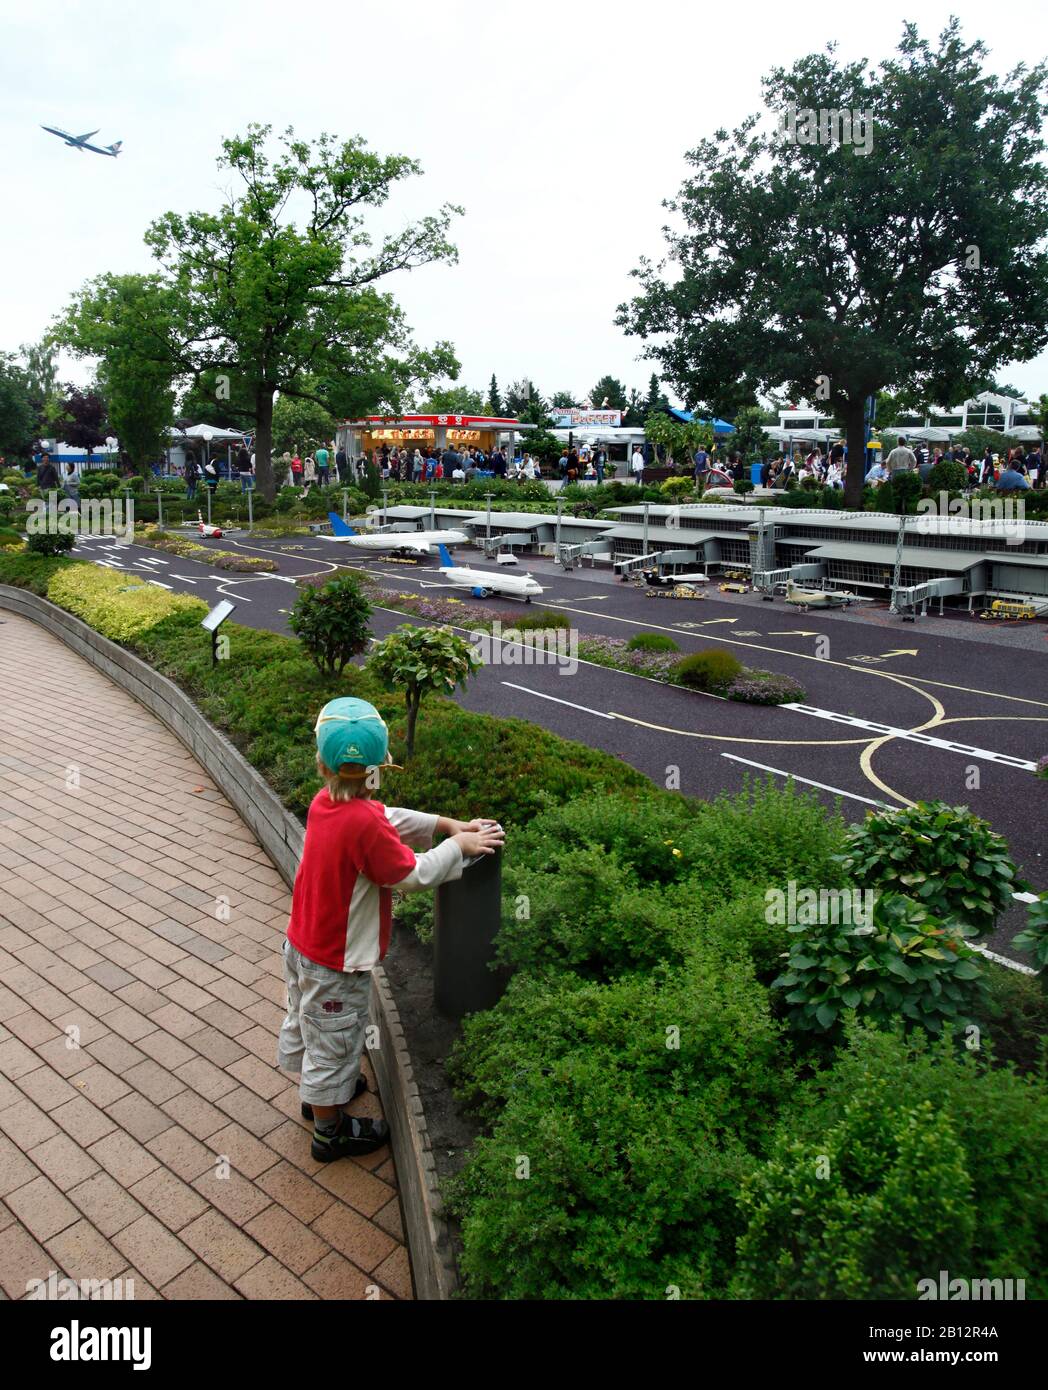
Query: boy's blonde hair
<point x="350" y="781"/>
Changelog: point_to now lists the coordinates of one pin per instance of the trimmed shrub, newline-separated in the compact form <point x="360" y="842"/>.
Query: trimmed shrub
<point x="945" y="856"/>
<point x="331" y="622"/>
<point x="1000" y="1121"/>
<point x="881" y="1200"/>
<point x="904" y="963"/>
<point x="119" y="606"/>
<point x="50" y="543"/>
<point x="710" y="670"/>
<point x="948" y="476"/>
<point x="652" y="642"/>
<point x="765" y="688"/>
<point x="634" y="1103"/>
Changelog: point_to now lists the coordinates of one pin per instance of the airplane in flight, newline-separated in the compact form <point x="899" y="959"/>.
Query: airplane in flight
<point x="83" y="142"/>
<point x="483" y="583"/>
<point x="392" y="542"/>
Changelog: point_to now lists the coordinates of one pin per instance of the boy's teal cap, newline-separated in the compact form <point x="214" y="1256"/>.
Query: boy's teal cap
<point x="351" y="731"/>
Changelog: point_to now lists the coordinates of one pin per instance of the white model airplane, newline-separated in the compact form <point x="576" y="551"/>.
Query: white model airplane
<point x="483" y="583"/>
<point x="83" y="142"/>
<point x="411" y="542"/>
<point x="819" y="598"/>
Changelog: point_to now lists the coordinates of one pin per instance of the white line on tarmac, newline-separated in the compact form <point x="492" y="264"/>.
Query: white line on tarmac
<point x="542" y="696"/>
<point x="823" y="786"/>
<point x="853" y="722"/>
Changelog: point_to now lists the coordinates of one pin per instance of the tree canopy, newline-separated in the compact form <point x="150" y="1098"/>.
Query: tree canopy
<point x="912" y="259"/>
<point x="280" y="284"/>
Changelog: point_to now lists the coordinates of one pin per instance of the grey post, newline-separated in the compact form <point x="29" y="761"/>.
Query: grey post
<point x="159" y="509"/>
<point x="466" y="922"/>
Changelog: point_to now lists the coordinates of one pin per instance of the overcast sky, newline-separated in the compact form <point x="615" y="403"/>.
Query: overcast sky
<point x="560" y="127"/>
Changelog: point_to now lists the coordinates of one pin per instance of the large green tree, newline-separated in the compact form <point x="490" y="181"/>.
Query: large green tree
<point x="494" y="399"/>
<point x="300" y="423"/>
<point x="910" y="257"/>
<point x="280" y="285"/>
<point x="453" y="400"/>
<point x="137" y="379"/>
<point x="17" y="416"/>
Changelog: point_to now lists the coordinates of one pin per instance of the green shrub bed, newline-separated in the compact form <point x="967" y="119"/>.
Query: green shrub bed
<point x="662" y="1114"/>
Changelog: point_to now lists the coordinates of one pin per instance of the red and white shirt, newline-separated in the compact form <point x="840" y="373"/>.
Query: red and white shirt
<point x="355" y="853"/>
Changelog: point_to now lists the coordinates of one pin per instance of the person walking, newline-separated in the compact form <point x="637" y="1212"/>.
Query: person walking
<point x="246" y="468"/>
<point x="295" y="473"/>
<point x="191" y="474"/>
<point x="211" y="475"/>
<point x="309" y="471"/>
<point x="902" y="459"/>
<point x="341" y="463"/>
<point x="323" y="465"/>
<point x="637" y="465"/>
<point x="71" y="484"/>
<point x="46" y="473"/>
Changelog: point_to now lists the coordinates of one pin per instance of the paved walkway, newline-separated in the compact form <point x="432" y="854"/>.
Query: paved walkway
<point x="145" y="1132"/>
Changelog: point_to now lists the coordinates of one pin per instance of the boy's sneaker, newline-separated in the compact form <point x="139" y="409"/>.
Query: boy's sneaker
<point x="361" y="1087"/>
<point x="353" y="1137"/>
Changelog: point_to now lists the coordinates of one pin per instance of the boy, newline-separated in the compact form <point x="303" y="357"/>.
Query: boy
<point x="356" y="851"/>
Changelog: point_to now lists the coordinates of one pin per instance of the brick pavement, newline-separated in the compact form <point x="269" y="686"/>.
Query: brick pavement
<point x="145" y="1132"/>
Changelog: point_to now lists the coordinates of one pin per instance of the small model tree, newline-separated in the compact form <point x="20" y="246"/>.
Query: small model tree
<point x="418" y="661"/>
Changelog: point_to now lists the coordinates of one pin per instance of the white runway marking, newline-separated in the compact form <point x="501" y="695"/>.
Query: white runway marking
<point x="822" y="786"/>
<point x="542" y="696"/>
<point x="948" y="745"/>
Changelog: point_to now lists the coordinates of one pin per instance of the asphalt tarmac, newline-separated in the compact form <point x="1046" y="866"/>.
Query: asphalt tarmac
<point x="953" y="708"/>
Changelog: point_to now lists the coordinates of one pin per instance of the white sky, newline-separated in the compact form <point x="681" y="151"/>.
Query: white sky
<point x="560" y="127"/>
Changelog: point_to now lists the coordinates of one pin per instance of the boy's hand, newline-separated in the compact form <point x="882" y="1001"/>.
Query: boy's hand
<point x="447" y="826"/>
<point x="486" y="840"/>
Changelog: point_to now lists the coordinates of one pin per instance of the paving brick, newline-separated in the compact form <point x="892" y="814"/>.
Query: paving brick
<point x="390" y="1219"/>
<point x="247" y="1154"/>
<point x="233" y="1195"/>
<point x="353" y="1236"/>
<point x="26" y="1125"/>
<point x="249" y="1110"/>
<point x="195" y="1114"/>
<point x="84" y="1253"/>
<point x="31" y="1027"/>
<point x="207" y="1080"/>
<point x="154" y="1081"/>
<point x="335" y="1278"/>
<point x="394" y="1273"/>
<point x="139" y="1116"/>
<point x="296" y="1192"/>
<point x="83" y="1121"/>
<point x="106" y="1204"/>
<point x="260" y="1077"/>
<point x="15" y="1168"/>
<point x="174" y="1019"/>
<point x="42" y="1209"/>
<point x="352" y="1184"/>
<point x="21" y="1259"/>
<point x="199" y="1284"/>
<point x="271" y="1281"/>
<point x="123" y="1158"/>
<point x="166" y="1049"/>
<point x="221" y="1246"/>
<point x="169" y="1198"/>
<point x="152" y="1248"/>
<point x="116" y="1053"/>
<point x="100" y="1085"/>
<point x="46" y="1088"/>
<point x="64" y="1161"/>
<point x="218" y="1049"/>
<point x="16" y="1059"/>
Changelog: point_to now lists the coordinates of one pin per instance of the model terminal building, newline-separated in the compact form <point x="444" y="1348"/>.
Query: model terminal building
<point x="947" y="558"/>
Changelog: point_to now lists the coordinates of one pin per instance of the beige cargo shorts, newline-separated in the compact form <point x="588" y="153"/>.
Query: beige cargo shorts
<point x="322" y="1036"/>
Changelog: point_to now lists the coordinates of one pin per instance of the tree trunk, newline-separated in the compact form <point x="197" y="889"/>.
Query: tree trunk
<point x="855" y="436"/>
<point x="264" y="479"/>
<point x="409" y="737"/>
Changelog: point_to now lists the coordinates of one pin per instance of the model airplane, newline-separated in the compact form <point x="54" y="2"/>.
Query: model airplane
<point x="82" y="142"/>
<point x="818" y="598"/>
<point x="411" y="542"/>
<point x="664" y="581"/>
<point x="483" y="583"/>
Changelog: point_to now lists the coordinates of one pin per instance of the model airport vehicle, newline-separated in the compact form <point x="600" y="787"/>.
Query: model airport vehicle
<point x="674" y="585"/>
<point x="1009" y="611"/>
<point x="734" y="588"/>
<point x="206" y="529"/>
<point x="818" y="598"/>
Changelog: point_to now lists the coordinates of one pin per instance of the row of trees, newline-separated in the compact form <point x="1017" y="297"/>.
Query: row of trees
<point x="34" y="405"/>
